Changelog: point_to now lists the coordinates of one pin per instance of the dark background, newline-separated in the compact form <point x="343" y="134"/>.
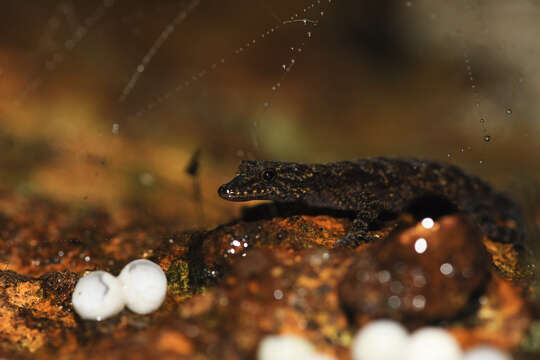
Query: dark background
<point x="454" y="81"/>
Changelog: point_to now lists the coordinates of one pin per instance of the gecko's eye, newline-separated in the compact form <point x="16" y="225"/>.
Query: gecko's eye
<point x="268" y="174"/>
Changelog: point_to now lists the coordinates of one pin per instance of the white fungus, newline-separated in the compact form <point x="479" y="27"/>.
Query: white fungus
<point x="485" y="352"/>
<point x="432" y="343"/>
<point x="285" y="347"/>
<point x="98" y="296"/>
<point x="144" y="285"/>
<point x="319" y="356"/>
<point x="380" y="340"/>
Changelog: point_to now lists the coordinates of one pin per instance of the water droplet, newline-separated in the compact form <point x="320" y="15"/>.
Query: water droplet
<point x="482" y="120"/>
<point x="394" y="302"/>
<point x="420" y="245"/>
<point x="419" y="280"/>
<point x="447" y="269"/>
<point x="428" y="223"/>
<point x="508" y="111"/>
<point x="396" y="287"/>
<point x="487" y="138"/>
<point x="419" y="302"/>
<point x="481" y="162"/>
<point x="278" y="294"/>
<point x="383" y="276"/>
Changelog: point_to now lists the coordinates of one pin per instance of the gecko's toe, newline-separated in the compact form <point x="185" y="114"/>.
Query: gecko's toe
<point x="347" y="242"/>
<point x="352" y="241"/>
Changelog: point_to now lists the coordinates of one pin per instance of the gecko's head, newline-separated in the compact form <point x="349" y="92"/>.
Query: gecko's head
<point x="268" y="180"/>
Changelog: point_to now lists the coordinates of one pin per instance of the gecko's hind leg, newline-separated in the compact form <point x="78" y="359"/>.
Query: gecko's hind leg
<point x="358" y="233"/>
<point x="496" y="226"/>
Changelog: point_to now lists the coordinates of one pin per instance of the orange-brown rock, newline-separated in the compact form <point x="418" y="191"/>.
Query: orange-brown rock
<point x="282" y="277"/>
<point x="418" y="275"/>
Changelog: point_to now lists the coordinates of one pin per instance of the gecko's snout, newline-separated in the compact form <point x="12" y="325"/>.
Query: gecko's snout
<point x="236" y="190"/>
<point x="228" y="192"/>
<point x="224" y="192"/>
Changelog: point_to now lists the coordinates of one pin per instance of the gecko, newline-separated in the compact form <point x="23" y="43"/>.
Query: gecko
<point x="371" y="186"/>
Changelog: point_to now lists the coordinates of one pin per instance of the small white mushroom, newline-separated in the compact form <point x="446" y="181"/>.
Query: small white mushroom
<point x="319" y="356"/>
<point x="432" y="343"/>
<point x="285" y="347"/>
<point x="380" y="340"/>
<point x="486" y="352"/>
<point x="144" y="285"/>
<point x="97" y="296"/>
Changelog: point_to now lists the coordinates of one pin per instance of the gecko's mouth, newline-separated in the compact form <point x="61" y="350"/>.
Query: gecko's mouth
<point x="230" y="194"/>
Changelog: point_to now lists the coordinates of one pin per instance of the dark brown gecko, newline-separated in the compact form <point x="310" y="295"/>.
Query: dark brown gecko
<point x="375" y="185"/>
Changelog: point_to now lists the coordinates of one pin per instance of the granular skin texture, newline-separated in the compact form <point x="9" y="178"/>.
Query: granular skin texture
<point x="372" y="186"/>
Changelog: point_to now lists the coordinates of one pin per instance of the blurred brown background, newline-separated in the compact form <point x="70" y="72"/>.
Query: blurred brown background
<point x="102" y="103"/>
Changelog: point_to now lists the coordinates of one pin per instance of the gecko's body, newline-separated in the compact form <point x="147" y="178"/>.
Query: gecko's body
<point x="375" y="185"/>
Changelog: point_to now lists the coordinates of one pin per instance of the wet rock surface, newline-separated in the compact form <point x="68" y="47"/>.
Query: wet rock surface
<point x="230" y="287"/>
<point x="418" y="274"/>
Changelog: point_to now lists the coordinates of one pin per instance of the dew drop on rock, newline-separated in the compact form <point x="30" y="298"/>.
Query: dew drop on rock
<point x="419" y="302"/>
<point x="487" y="138"/>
